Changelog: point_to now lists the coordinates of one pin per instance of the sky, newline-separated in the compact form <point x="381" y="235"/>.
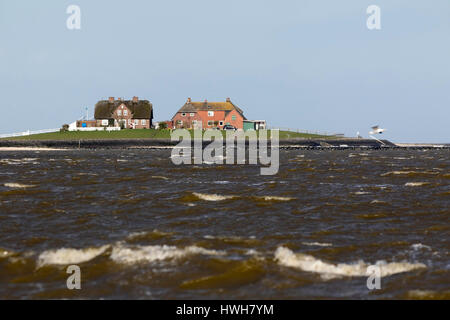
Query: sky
<point x="301" y="64"/>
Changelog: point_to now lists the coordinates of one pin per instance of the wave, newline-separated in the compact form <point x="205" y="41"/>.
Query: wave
<point x="376" y="201"/>
<point x="119" y="253"/>
<point x="274" y="198"/>
<point x="288" y="258"/>
<point x="130" y="255"/>
<point x="360" y="192"/>
<point x="5" y="253"/>
<point x="160" y="177"/>
<point x="18" y="185"/>
<point x="148" y="235"/>
<point x="242" y="273"/>
<point x="20" y="161"/>
<point x="318" y="244"/>
<point x="408" y="173"/>
<point x="416" y="184"/>
<point x="419" y="246"/>
<point x="212" y="197"/>
<point x="65" y="256"/>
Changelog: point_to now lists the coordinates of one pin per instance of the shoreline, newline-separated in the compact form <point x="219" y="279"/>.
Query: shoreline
<point x="289" y="144"/>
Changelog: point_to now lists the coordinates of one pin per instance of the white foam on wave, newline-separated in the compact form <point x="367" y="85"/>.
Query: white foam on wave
<point x="5" y="253"/>
<point x="20" y="161"/>
<point x="129" y="255"/>
<point x="222" y="182"/>
<point x="406" y="172"/>
<point x="15" y="185"/>
<point x="154" y="232"/>
<point x="65" y="256"/>
<point x="376" y="201"/>
<point x="276" y="198"/>
<point x="160" y="177"/>
<point x="318" y="244"/>
<point x="416" y="184"/>
<point x="360" y="192"/>
<point x="288" y="258"/>
<point x="418" y="246"/>
<point x="396" y="173"/>
<point x="212" y="197"/>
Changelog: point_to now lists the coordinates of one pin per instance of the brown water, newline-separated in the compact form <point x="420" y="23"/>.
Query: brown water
<point x="140" y="227"/>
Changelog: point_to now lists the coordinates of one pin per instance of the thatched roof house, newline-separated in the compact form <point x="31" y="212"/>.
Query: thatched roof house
<point x="132" y="113"/>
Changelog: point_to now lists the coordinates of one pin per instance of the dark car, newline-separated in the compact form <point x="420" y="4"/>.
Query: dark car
<point x="228" y="127"/>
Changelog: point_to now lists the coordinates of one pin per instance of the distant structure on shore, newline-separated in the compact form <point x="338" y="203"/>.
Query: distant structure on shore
<point x="120" y="114"/>
<point x="208" y="115"/>
<point x="116" y="114"/>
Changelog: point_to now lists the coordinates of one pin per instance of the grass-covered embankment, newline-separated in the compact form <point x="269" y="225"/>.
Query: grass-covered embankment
<point x="137" y="134"/>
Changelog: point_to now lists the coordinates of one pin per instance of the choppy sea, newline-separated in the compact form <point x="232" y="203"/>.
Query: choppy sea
<point x="140" y="227"/>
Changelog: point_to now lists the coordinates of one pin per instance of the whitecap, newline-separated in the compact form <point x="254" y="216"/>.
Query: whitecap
<point x="211" y="197"/>
<point x="377" y="201"/>
<point x="396" y="173"/>
<point x="18" y="185"/>
<point x="130" y="255"/>
<point x="418" y="246"/>
<point x="160" y="177"/>
<point x="317" y="244"/>
<point x="360" y="192"/>
<point x="5" y="253"/>
<point x="416" y="184"/>
<point x="308" y="263"/>
<point x="65" y="256"/>
<point x="276" y="198"/>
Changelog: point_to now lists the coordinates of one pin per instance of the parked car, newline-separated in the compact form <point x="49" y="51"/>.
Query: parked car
<point x="229" y="127"/>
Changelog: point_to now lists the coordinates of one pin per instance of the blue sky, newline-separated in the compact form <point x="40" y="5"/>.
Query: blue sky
<point x="306" y="64"/>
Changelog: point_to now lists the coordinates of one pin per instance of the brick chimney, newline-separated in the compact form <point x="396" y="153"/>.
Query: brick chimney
<point x="228" y="100"/>
<point x="111" y="99"/>
<point x="120" y="99"/>
<point x="135" y="99"/>
<point x="189" y="100"/>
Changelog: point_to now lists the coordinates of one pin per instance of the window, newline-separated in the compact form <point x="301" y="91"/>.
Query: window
<point x="210" y="123"/>
<point x="180" y="122"/>
<point x="194" y="122"/>
<point x="233" y="117"/>
<point x="183" y="114"/>
<point x="220" y="123"/>
<point x="119" y="112"/>
<point x="125" y="112"/>
<point x="136" y="121"/>
<point x="210" y="113"/>
<point x="143" y="122"/>
<point x="191" y="114"/>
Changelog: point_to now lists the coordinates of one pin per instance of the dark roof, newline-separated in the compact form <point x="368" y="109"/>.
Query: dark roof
<point x="226" y="106"/>
<point x="142" y="109"/>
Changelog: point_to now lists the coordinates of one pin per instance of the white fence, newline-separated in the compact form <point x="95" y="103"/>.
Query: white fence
<point x="96" y="129"/>
<point x="27" y="133"/>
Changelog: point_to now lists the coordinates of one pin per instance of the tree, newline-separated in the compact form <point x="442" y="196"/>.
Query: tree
<point x="64" y="128"/>
<point x="162" y="125"/>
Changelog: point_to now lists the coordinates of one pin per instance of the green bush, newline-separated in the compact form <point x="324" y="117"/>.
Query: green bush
<point x="64" y="128"/>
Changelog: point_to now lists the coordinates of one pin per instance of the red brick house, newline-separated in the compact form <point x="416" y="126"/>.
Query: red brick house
<point x="196" y="115"/>
<point x="132" y="114"/>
